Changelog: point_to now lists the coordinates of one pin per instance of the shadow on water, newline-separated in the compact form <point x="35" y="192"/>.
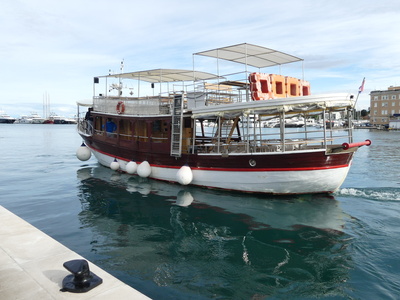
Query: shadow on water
<point x="175" y="242"/>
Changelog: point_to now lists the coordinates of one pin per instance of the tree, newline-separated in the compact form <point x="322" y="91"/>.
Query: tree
<point x="364" y="113"/>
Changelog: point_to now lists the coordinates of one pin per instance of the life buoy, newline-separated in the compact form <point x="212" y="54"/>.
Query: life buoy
<point x="120" y="107"/>
<point x="305" y="88"/>
<point x="260" y="86"/>
<point x="272" y="86"/>
<point x="278" y="85"/>
<point x="292" y="87"/>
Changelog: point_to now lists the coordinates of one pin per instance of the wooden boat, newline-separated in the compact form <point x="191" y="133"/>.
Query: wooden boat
<point x="164" y="136"/>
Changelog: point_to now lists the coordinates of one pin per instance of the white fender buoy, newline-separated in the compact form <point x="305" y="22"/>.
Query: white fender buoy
<point x="83" y="153"/>
<point x="131" y="167"/>
<point x="144" y="169"/>
<point x="184" y="175"/>
<point x="114" y="165"/>
<point x="184" y="199"/>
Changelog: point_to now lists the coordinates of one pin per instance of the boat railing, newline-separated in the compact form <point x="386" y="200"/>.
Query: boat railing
<point x="126" y="137"/>
<point x="159" y="139"/>
<point x="263" y="146"/>
<point x="201" y="94"/>
<point x="256" y="140"/>
<point x="85" y="127"/>
<point x="99" y="132"/>
<point x="234" y="88"/>
<point x="299" y="140"/>
<point x="154" y="105"/>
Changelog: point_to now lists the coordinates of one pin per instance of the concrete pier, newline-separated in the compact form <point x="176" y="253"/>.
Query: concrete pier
<point x="31" y="266"/>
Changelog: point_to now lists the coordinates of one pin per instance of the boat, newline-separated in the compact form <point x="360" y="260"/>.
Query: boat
<point x="36" y="118"/>
<point x="56" y="119"/>
<point x="5" y="118"/>
<point x="33" y="118"/>
<point x="294" y="123"/>
<point x="311" y="122"/>
<point x="24" y="119"/>
<point x="153" y="126"/>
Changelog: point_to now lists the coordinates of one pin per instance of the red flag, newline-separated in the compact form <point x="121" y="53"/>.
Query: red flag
<point x="361" y="88"/>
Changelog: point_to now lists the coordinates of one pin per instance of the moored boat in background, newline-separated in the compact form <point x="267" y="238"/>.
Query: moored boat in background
<point x="56" y="119"/>
<point x="24" y="119"/>
<point x="36" y="118"/>
<point x="163" y="136"/>
<point x="33" y="118"/>
<point x="5" y="118"/>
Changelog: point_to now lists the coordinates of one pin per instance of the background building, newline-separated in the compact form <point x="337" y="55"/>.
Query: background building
<point x="384" y="105"/>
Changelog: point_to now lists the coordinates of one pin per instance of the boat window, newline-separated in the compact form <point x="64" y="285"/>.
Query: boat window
<point x="159" y="132"/>
<point x="141" y="130"/>
<point x="125" y="130"/>
<point x="98" y="125"/>
<point x="157" y="126"/>
<point x="187" y="123"/>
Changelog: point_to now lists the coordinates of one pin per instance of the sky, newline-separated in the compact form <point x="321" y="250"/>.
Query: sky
<point x="53" y="49"/>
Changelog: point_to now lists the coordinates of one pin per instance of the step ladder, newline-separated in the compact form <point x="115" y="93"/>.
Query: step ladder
<point x="176" y="130"/>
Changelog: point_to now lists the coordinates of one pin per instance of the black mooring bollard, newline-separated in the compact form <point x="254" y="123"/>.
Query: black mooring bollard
<point x="81" y="280"/>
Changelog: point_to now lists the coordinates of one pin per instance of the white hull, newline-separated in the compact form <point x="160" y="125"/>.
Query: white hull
<point x="272" y="182"/>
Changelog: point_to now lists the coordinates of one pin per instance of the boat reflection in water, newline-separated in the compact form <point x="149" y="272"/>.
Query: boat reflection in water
<point x="179" y="242"/>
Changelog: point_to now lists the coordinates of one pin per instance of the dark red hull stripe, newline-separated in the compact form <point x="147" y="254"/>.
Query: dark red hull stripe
<point x="236" y="169"/>
<point x="255" y="169"/>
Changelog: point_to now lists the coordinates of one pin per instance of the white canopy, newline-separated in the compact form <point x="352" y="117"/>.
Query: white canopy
<point x="87" y="103"/>
<point x="290" y="105"/>
<point x="252" y="55"/>
<point x="165" y="75"/>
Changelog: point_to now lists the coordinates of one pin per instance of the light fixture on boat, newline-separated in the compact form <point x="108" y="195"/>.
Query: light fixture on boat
<point x="252" y="162"/>
<point x="81" y="280"/>
<point x="83" y="153"/>
<point x="144" y="169"/>
<point x="346" y="146"/>
<point x="114" y="165"/>
<point x="131" y="167"/>
<point x="185" y="175"/>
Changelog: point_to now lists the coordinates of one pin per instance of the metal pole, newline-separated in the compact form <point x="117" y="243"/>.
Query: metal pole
<point x="282" y="134"/>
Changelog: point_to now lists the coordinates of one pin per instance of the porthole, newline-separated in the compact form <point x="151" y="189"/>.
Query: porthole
<point x="252" y="163"/>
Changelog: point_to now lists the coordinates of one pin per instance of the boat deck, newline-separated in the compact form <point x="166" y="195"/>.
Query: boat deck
<point x="31" y="266"/>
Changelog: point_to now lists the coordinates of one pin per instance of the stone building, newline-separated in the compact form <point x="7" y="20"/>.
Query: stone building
<point x="384" y="105"/>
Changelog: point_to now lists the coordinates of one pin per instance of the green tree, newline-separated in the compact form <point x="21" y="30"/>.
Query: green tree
<point x="364" y="113"/>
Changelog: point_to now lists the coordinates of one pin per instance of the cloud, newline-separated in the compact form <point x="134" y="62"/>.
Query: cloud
<point x="59" y="46"/>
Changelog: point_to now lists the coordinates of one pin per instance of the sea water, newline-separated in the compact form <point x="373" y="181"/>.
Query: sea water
<point x="177" y="242"/>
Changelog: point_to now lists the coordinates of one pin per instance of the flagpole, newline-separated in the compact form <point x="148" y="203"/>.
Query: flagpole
<point x="355" y="103"/>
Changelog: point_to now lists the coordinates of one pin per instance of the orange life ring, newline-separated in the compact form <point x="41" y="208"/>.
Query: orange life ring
<point x="120" y="107"/>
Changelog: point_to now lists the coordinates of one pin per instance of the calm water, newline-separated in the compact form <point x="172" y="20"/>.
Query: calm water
<point x="174" y="242"/>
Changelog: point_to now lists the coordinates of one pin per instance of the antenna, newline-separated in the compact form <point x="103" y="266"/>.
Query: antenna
<point x="120" y="81"/>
